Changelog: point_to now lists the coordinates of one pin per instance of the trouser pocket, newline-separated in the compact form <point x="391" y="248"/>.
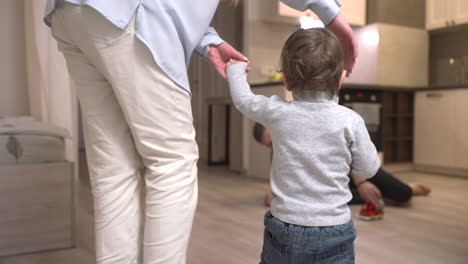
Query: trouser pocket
<point x="337" y="248"/>
<point x="274" y="251"/>
<point x="93" y="26"/>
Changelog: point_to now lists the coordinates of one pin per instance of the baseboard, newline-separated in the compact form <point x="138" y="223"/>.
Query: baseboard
<point x="398" y="167"/>
<point x="441" y="170"/>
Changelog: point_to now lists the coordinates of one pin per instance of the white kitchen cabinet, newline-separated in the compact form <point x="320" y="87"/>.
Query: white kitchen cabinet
<point x="391" y="55"/>
<point x="446" y="13"/>
<point x="460" y="11"/>
<point x="437" y="13"/>
<point x="434" y="125"/>
<point x="461" y="131"/>
<point x="441" y="129"/>
<point x="354" y="12"/>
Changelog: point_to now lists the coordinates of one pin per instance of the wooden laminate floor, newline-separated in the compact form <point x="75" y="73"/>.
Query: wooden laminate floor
<point x="229" y="224"/>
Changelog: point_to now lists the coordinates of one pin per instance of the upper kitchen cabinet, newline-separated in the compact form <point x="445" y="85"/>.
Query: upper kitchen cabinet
<point x="275" y="11"/>
<point x="460" y="12"/>
<point x="447" y="13"/>
<point x="438" y="13"/>
<point x="391" y="55"/>
<point x="354" y="11"/>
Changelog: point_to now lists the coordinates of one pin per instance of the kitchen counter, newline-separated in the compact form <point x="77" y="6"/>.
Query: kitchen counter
<point x="263" y="84"/>
<point x="375" y="87"/>
<point x="444" y="87"/>
<point x="345" y="86"/>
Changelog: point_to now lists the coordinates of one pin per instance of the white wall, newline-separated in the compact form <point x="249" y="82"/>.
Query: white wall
<point x="13" y="88"/>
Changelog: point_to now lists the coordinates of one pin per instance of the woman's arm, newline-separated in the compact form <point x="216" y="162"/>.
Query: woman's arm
<point x="217" y="51"/>
<point x="367" y="190"/>
<point x="356" y="179"/>
<point x="210" y="38"/>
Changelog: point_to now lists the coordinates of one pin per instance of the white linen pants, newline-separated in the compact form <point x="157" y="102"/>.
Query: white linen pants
<point x="133" y="115"/>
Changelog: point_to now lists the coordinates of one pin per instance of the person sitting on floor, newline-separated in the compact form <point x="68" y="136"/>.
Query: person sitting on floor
<point x="383" y="184"/>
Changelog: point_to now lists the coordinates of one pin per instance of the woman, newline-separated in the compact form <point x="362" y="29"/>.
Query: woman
<point x="128" y="61"/>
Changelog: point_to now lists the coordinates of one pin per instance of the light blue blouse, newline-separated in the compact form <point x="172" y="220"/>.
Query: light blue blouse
<point x="173" y="29"/>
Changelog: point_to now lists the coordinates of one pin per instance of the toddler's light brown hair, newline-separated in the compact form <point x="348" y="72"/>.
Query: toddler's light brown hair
<point x="313" y="59"/>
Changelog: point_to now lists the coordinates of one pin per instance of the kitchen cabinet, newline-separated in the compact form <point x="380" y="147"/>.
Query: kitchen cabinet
<point x="392" y="131"/>
<point x="460" y="12"/>
<point x="447" y="13"/>
<point x="275" y="11"/>
<point x="391" y="55"/>
<point x="461" y="129"/>
<point x="354" y="11"/>
<point x="441" y="128"/>
<point x="437" y="13"/>
<point x="433" y="128"/>
<point x="397" y="126"/>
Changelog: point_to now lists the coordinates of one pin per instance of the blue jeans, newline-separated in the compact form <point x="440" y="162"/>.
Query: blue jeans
<point x="291" y="244"/>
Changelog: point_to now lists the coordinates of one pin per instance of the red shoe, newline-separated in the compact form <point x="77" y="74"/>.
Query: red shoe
<point x="369" y="212"/>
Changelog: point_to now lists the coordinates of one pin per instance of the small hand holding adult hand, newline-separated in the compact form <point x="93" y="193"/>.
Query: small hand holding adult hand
<point x="232" y="62"/>
<point x="370" y="193"/>
<point x="345" y="34"/>
<point x="221" y="54"/>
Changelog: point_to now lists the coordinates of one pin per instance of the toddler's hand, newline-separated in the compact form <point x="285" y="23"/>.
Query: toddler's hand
<point x="219" y="55"/>
<point x="233" y="61"/>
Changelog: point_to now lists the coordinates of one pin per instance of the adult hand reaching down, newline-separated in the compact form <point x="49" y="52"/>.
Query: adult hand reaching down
<point x="345" y="34"/>
<point x="219" y="56"/>
<point x="370" y="193"/>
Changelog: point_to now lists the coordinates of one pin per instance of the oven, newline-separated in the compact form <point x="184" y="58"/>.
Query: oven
<point x="368" y="104"/>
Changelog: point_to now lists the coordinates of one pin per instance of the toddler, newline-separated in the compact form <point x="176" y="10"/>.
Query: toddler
<point x="317" y="142"/>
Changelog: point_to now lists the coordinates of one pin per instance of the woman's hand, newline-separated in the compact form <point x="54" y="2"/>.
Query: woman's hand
<point x="370" y="193"/>
<point x="345" y="34"/>
<point x="220" y="55"/>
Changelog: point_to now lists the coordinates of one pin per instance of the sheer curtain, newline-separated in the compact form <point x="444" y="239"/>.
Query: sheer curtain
<point x="51" y="97"/>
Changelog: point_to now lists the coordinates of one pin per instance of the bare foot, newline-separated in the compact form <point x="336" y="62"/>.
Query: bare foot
<point x="268" y="199"/>
<point x="419" y="189"/>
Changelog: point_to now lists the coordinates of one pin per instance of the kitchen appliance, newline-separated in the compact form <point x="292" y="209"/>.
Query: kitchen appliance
<point x="368" y="104"/>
